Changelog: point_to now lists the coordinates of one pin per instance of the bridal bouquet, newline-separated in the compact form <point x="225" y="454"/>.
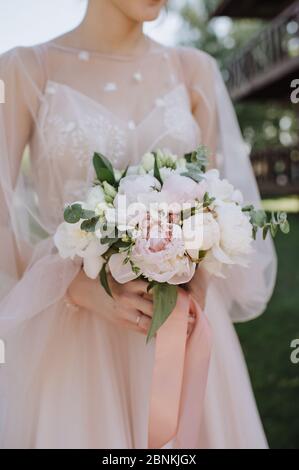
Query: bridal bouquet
<point x="159" y="220"/>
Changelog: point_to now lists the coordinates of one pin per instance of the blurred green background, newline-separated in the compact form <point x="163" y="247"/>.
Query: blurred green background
<point x="269" y="124"/>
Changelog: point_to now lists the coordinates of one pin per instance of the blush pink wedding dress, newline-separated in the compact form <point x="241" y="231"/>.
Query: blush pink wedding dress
<point x="72" y="379"/>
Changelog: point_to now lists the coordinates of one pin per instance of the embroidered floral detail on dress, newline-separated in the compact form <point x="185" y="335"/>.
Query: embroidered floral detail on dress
<point x="84" y="55"/>
<point x="177" y="105"/>
<point x="131" y="125"/>
<point x="82" y="139"/>
<point x="110" y="86"/>
<point x="137" y="77"/>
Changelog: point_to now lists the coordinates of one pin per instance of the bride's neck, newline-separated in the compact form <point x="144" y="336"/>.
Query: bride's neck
<point x="106" y="29"/>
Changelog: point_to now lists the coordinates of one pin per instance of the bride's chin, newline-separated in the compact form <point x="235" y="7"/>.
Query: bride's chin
<point x="142" y="10"/>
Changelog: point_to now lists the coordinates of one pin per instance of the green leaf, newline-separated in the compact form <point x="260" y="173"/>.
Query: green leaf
<point x="121" y="244"/>
<point x="150" y="286"/>
<point x="165" y="297"/>
<point x="156" y="170"/>
<point x="259" y="218"/>
<point x="273" y="229"/>
<point x="104" y="280"/>
<point x="86" y="214"/>
<point x="207" y="200"/>
<point x="73" y="213"/>
<point x="265" y="231"/>
<point x="90" y="224"/>
<point x="125" y="173"/>
<point x="199" y="157"/>
<point x="109" y="241"/>
<point x="248" y="208"/>
<point x="254" y="231"/>
<point x="103" y="168"/>
<point x="285" y="227"/>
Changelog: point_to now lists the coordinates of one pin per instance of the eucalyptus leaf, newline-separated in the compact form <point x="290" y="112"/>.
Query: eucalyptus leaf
<point x="87" y="214"/>
<point x="254" y="231"/>
<point x="285" y="227"/>
<point x="72" y="214"/>
<point x="164" y="297"/>
<point x="90" y="224"/>
<point x="248" y="208"/>
<point x="265" y="231"/>
<point x="273" y="229"/>
<point x="259" y="218"/>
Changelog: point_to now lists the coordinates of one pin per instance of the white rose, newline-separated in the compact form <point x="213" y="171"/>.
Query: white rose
<point x="70" y="240"/>
<point x="200" y="232"/>
<point x="235" y="235"/>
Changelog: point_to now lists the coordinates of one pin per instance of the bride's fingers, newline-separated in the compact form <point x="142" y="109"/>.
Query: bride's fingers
<point x="137" y="286"/>
<point x="136" y="321"/>
<point x="141" y="304"/>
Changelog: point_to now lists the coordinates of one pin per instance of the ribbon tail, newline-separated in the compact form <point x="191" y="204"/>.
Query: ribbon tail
<point x="168" y="373"/>
<point x="194" y="384"/>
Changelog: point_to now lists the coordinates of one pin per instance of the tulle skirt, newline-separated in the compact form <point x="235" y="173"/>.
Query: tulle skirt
<point x="74" y="380"/>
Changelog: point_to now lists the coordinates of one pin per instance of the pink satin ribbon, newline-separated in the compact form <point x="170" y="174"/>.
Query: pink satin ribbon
<point x="179" y="377"/>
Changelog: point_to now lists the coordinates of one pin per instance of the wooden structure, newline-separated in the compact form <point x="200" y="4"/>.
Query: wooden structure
<point x="264" y="69"/>
<point x="266" y="9"/>
<point x="277" y="171"/>
<point x="266" y="66"/>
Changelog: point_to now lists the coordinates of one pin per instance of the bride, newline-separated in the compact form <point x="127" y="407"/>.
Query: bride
<point x="78" y="372"/>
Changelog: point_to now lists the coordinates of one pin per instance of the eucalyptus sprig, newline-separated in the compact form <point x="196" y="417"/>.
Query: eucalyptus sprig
<point x="261" y="220"/>
<point x="197" y="162"/>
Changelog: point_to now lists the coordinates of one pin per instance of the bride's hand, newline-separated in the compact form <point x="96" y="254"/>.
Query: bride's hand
<point x="130" y="306"/>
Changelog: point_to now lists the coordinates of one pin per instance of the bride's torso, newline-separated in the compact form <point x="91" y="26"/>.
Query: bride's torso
<point x="121" y="106"/>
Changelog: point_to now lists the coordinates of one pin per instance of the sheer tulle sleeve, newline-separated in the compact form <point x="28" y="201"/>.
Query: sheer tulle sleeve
<point x="23" y="262"/>
<point x="246" y="290"/>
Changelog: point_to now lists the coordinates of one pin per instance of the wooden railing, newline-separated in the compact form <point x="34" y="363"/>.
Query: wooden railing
<point x="277" y="170"/>
<point x="271" y="53"/>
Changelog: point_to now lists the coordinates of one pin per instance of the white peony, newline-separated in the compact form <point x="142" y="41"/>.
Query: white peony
<point x="92" y="259"/>
<point x="133" y="185"/>
<point x="235" y="235"/>
<point x="181" y="189"/>
<point x="221" y="189"/>
<point x="200" y="232"/>
<point x="71" y="241"/>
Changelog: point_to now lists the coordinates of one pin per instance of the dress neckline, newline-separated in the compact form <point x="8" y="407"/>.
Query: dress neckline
<point x="152" y="46"/>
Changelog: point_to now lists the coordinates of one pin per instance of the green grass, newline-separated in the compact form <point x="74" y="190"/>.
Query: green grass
<point x="266" y="344"/>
